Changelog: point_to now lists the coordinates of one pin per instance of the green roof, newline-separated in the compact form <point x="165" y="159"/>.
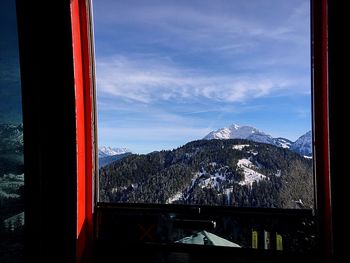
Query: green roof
<point x="207" y="238"/>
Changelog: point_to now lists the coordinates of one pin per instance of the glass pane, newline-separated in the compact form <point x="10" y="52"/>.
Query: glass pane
<point x="204" y="102"/>
<point x="206" y="105"/>
<point x="11" y="139"/>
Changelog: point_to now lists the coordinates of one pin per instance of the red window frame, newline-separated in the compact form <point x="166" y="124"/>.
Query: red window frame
<point x="83" y="54"/>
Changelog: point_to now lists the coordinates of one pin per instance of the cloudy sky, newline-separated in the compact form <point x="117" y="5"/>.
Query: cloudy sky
<point x="169" y="72"/>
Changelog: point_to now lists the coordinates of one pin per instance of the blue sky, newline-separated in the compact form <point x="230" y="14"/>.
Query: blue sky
<point x="169" y="72"/>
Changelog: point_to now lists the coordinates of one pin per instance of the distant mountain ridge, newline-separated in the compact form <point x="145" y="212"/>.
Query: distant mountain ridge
<point x="107" y="155"/>
<point x="303" y="145"/>
<point x="103" y="161"/>
<point x="11" y="149"/>
<point x="11" y="174"/>
<point x="11" y="138"/>
<point x="105" y="151"/>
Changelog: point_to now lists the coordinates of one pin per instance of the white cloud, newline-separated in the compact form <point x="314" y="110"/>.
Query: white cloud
<point x="217" y="30"/>
<point x="148" y="80"/>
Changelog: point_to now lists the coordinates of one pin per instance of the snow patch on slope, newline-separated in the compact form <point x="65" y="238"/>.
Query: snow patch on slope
<point x="250" y="175"/>
<point x="240" y="146"/>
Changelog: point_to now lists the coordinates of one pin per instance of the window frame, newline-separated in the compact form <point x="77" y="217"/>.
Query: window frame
<point x="320" y="130"/>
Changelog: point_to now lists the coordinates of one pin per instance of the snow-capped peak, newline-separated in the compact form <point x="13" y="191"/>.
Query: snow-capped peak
<point x="303" y="145"/>
<point x="104" y="151"/>
<point x="235" y="126"/>
<point x="236" y="132"/>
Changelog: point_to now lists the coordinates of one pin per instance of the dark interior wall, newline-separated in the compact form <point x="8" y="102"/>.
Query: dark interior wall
<point x="49" y="129"/>
<point x="338" y="53"/>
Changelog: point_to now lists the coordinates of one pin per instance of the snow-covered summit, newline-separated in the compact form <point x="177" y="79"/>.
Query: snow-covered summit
<point x="303" y="145"/>
<point x="234" y="132"/>
<point x="105" y="151"/>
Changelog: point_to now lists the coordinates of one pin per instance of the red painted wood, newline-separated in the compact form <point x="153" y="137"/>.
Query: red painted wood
<point x="89" y="111"/>
<point x="80" y="116"/>
<point x="84" y="121"/>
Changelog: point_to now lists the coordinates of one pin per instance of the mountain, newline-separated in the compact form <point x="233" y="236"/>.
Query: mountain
<point x="11" y="149"/>
<point x="11" y="171"/>
<point x="107" y="155"/>
<point x="247" y="132"/>
<point x="283" y="142"/>
<point x="11" y="138"/>
<point x="303" y="145"/>
<point x="105" y="151"/>
<point x="233" y="132"/>
<point x="235" y="172"/>
<point x="103" y="161"/>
